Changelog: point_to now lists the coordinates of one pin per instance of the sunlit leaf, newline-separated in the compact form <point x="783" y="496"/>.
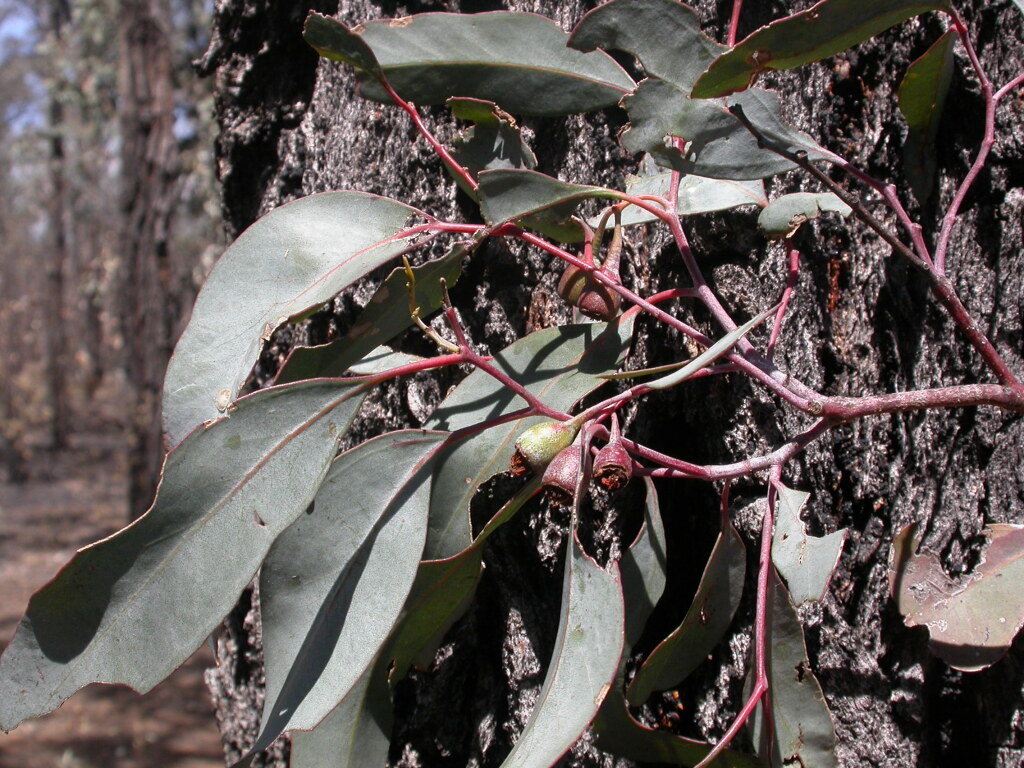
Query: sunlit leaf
<point x="558" y="365"/>
<point x="536" y="201"/>
<point x="334" y="583"/>
<point x="717" y="145"/>
<point x="803" y="730"/>
<point x="783" y="216"/>
<point x="971" y="621"/>
<point x="492" y="143"/>
<point x="517" y="60"/>
<point x="384" y="317"/>
<point x="663" y="34"/>
<point x="821" y="31"/>
<point x="922" y="98"/>
<point x="130" y="608"/>
<point x="710" y="613"/>
<point x="805" y="562"/>
<point x="296" y="257"/>
<point x="583" y="666"/>
<point x="695" y="194"/>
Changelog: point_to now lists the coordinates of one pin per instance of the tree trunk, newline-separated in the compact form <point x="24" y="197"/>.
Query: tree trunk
<point x="149" y="291"/>
<point x="57" y="368"/>
<point x="861" y="323"/>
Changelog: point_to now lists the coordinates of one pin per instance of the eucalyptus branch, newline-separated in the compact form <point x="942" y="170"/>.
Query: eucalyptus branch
<point x="941" y="287"/>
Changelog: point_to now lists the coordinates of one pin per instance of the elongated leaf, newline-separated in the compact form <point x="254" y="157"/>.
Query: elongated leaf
<point x="718" y="145"/>
<point x="559" y="366"/>
<point x="821" y="31"/>
<point x="664" y="34"/>
<point x="805" y="562"/>
<point x="922" y="98"/>
<point x="383" y="359"/>
<point x="383" y="318"/>
<point x="785" y="215"/>
<point x="536" y="201"/>
<point x="518" y="60"/>
<point x="643" y="580"/>
<point x="621" y="734"/>
<point x="442" y="592"/>
<point x="695" y="195"/>
<point x="710" y="613"/>
<point x="334" y="583"/>
<point x="583" y="666"/>
<point x="294" y="258"/>
<point x="712" y="353"/>
<point x="131" y="608"/>
<point x="644" y="567"/>
<point x="804" y="733"/>
<point x="971" y="622"/>
<point x="356" y="734"/>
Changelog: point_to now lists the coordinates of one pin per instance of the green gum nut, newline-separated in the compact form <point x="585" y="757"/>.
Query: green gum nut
<point x="538" y="445"/>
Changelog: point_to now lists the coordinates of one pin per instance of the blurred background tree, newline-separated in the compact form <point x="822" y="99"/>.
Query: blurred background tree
<point x="111" y="219"/>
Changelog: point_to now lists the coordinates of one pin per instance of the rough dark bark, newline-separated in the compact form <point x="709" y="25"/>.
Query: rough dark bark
<point x="862" y="323"/>
<point x="148" y="291"/>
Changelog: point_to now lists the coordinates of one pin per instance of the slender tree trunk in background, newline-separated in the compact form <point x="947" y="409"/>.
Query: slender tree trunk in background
<point x="148" y="155"/>
<point x="861" y="323"/>
<point x="56" y="316"/>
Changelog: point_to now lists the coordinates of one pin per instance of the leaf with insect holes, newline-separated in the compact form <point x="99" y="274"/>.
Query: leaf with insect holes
<point x="518" y="60"/>
<point x="822" y="30"/>
<point x="384" y="317"/>
<point x="131" y="608"/>
<point x="294" y="258"/>
<point x="971" y="621"/>
<point x="922" y="97"/>
<point x="805" y="562"/>
<point x="557" y="365"/>
<point x="804" y="733"/>
<point x="783" y="216"/>
<point x="334" y="583"/>
<point x="711" y="611"/>
<point x="536" y="201"/>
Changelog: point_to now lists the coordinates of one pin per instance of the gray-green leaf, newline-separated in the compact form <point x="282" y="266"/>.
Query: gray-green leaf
<point x="710" y="613"/>
<point x="335" y="582"/>
<point x="805" y="562"/>
<point x="518" y="60"/>
<point x="804" y="733"/>
<point x="130" y="608"/>
<point x="821" y="31"/>
<point x="294" y="258"/>
<point x="783" y="216"/>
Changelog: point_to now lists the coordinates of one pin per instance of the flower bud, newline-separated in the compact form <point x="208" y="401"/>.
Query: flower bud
<point x="562" y="474"/>
<point x="578" y="288"/>
<point x="613" y="466"/>
<point x="538" y="445"/>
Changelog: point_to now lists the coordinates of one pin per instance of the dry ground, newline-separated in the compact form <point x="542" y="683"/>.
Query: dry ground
<point x="73" y="499"/>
